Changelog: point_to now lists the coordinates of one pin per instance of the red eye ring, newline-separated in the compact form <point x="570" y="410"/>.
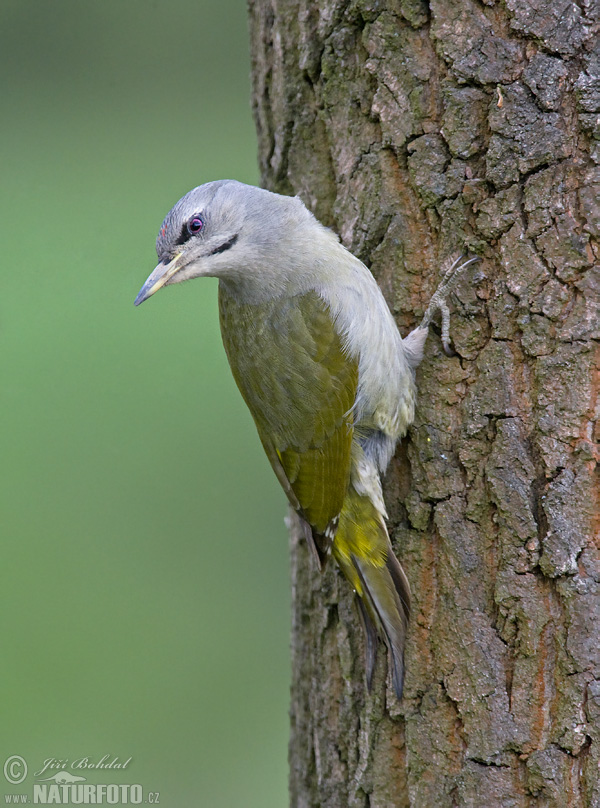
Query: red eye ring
<point x="195" y="225"/>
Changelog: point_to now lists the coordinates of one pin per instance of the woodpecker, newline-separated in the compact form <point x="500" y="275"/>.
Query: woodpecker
<point x="321" y="365"/>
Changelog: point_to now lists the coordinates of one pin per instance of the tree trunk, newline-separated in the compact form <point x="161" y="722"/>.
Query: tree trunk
<point x="419" y="131"/>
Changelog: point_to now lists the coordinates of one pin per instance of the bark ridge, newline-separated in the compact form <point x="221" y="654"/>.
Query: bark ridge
<point x="417" y="130"/>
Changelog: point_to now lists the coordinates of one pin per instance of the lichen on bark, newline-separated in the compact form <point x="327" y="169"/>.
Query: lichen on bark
<point x="418" y="130"/>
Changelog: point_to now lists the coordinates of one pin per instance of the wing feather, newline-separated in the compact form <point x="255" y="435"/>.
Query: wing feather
<point x="290" y="365"/>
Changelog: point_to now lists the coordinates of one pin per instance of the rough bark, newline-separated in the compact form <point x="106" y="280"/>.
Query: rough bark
<point x="418" y="131"/>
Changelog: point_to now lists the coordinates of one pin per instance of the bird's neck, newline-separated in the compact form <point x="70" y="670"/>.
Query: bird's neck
<point x="294" y="265"/>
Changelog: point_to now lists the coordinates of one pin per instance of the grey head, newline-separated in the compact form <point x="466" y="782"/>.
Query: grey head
<point x="232" y="231"/>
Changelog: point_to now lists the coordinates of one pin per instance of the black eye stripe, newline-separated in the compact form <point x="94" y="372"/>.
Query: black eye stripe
<point x="225" y="246"/>
<point x="183" y="236"/>
<point x="192" y="227"/>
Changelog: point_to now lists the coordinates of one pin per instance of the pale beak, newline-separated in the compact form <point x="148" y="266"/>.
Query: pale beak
<point x="158" y="278"/>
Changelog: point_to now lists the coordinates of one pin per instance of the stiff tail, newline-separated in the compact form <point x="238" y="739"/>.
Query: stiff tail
<point x="363" y="550"/>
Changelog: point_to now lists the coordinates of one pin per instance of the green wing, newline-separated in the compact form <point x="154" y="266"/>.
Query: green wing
<point x="300" y="386"/>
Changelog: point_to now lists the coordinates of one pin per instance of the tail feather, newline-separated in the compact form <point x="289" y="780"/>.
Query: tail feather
<point x="370" y="641"/>
<point x="400" y="580"/>
<point x="363" y="550"/>
<point x="389" y="611"/>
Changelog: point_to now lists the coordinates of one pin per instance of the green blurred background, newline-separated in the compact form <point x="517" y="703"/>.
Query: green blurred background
<point x="144" y="575"/>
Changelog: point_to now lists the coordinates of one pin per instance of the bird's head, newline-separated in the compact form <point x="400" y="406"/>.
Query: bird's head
<point x="228" y="230"/>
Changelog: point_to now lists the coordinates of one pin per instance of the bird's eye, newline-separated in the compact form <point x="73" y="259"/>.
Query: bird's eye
<point x="195" y="225"/>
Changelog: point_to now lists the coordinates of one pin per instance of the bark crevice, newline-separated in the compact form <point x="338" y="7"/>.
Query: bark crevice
<point x="418" y="131"/>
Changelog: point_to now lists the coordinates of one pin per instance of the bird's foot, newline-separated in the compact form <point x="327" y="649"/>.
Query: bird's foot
<point x="438" y="301"/>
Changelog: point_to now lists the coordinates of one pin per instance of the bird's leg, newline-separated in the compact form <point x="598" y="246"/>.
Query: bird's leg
<point x="438" y="301"/>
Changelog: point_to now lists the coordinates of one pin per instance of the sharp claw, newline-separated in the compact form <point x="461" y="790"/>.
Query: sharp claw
<point x="438" y="300"/>
<point x="449" y="350"/>
<point x="451" y="269"/>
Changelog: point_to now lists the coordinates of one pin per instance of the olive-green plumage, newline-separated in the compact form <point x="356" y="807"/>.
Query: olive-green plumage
<point x="300" y="386"/>
<point x="320" y="363"/>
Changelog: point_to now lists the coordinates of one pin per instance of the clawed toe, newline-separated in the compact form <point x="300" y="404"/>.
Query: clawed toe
<point x="438" y="300"/>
